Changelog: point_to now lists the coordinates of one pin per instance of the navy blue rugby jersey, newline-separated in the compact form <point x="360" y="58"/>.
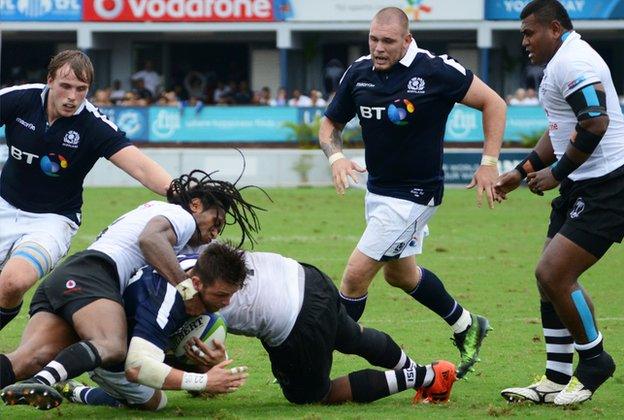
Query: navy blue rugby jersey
<point x="403" y="114"/>
<point x="154" y="308"/>
<point x="47" y="165"/>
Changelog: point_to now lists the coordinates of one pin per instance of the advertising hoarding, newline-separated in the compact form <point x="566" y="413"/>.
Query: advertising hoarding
<point x="577" y="9"/>
<point x="40" y="10"/>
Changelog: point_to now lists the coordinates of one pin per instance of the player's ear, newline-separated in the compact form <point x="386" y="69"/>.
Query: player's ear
<point x="197" y="283"/>
<point x="196" y="205"/>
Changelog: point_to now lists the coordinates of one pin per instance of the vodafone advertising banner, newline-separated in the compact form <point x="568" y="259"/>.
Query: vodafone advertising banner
<point x="178" y="10"/>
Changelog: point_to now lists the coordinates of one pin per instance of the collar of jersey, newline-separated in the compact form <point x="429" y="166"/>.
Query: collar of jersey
<point x="409" y="56"/>
<point x="44" y="93"/>
<point x="572" y="36"/>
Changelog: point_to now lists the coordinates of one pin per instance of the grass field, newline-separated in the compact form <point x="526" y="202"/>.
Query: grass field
<point x="485" y="258"/>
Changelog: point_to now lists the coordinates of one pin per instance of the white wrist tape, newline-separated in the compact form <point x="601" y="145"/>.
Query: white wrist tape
<point x="336" y="156"/>
<point x="487" y="160"/>
<point x="148" y="358"/>
<point x="186" y="289"/>
<point x="194" y="381"/>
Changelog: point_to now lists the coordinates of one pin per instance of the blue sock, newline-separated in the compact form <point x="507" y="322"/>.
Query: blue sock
<point x="431" y="293"/>
<point x="97" y="396"/>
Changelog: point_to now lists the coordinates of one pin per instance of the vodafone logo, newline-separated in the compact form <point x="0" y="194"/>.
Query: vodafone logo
<point x="178" y="10"/>
<point x="108" y="9"/>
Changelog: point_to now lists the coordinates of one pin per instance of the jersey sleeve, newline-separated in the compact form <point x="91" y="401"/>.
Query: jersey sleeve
<point x="574" y="74"/>
<point x="159" y="315"/>
<point x="182" y="222"/>
<point x="10" y="99"/>
<point x="109" y="139"/>
<point x="455" y="78"/>
<point x="342" y="108"/>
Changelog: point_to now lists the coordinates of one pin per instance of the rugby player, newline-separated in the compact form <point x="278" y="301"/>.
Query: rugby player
<point x="54" y="136"/>
<point x="402" y="96"/>
<point x="77" y="319"/>
<point x="585" y="138"/>
<point x="295" y="310"/>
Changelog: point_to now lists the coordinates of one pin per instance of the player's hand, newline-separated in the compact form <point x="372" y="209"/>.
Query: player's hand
<point x="222" y="379"/>
<point x="541" y="181"/>
<point x="342" y="170"/>
<point x="201" y="354"/>
<point x="507" y="182"/>
<point x="194" y="306"/>
<point x="484" y="179"/>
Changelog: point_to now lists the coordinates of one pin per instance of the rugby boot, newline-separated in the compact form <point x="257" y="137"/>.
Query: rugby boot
<point x="469" y="344"/>
<point x="43" y="397"/>
<point x="440" y="389"/>
<point x="588" y="377"/>
<point x="543" y="391"/>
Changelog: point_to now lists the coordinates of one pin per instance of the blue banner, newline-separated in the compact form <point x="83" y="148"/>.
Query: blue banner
<point x="577" y="9"/>
<point x="221" y="124"/>
<point x="131" y="120"/>
<point x="465" y="124"/>
<point x="40" y="10"/>
<point x="459" y="166"/>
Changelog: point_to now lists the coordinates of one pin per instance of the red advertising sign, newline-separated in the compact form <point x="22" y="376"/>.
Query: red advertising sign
<point x="178" y="10"/>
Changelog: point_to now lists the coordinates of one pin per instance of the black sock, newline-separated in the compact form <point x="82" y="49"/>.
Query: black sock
<point x="379" y="349"/>
<point x="70" y="362"/>
<point x="7" y="314"/>
<point x="7" y="376"/>
<point x="431" y="292"/>
<point x="559" y="345"/>
<point x="370" y="385"/>
<point x="590" y="350"/>
<point x="354" y="306"/>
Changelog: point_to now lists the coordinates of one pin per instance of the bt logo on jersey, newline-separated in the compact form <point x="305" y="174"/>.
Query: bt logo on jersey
<point x="399" y="110"/>
<point x="371" y="112"/>
<point x="52" y="164"/>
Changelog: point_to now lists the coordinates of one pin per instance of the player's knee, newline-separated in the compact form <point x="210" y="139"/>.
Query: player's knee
<point x="545" y="279"/>
<point x="355" y="280"/>
<point x="14" y="284"/>
<point x="111" y="353"/>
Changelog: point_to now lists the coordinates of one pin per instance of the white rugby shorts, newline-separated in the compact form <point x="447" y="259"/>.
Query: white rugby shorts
<point x="40" y="238"/>
<point x="117" y="386"/>
<point x="395" y="228"/>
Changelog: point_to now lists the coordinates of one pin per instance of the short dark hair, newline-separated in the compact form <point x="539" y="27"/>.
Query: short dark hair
<point x="546" y="11"/>
<point x="79" y="62"/>
<point x="221" y="261"/>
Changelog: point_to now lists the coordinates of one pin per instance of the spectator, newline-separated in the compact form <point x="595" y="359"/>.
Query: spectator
<point x="101" y="97"/>
<point x="195" y="84"/>
<point x="531" y="97"/>
<point x="131" y="98"/>
<point x="333" y="73"/>
<point x="168" y="98"/>
<point x="244" y="94"/>
<point x="264" y="96"/>
<point x="316" y="98"/>
<point x="151" y="78"/>
<point x="219" y="92"/>
<point x="299" y="99"/>
<point x="280" y="98"/>
<point x="117" y="93"/>
<point x="142" y="92"/>
<point x="518" y="97"/>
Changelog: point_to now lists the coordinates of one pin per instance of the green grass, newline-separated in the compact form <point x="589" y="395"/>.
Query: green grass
<point x="485" y="258"/>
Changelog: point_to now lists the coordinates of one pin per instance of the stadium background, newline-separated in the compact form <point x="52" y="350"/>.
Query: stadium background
<point x="277" y="43"/>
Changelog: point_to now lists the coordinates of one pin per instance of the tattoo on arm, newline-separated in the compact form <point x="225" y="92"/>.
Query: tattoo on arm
<point x="335" y="143"/>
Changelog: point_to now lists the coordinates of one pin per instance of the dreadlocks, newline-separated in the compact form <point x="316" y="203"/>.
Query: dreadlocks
<point x="214" y="192"/>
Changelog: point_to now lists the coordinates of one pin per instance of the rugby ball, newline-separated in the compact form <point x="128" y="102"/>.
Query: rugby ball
<point x="207" y="327"/>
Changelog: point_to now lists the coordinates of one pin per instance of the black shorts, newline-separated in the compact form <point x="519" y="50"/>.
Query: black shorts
<point x="302" y="363"/>
<point x="81" y="279"/>
<point x="590" y="213"/>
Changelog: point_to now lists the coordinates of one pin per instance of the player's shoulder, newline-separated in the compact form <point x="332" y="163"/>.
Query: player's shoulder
<point x="96" y="119"/>
<point x="426" y="61"/>
<point x="359" y="67"/>
<point x="29" y="90"/>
